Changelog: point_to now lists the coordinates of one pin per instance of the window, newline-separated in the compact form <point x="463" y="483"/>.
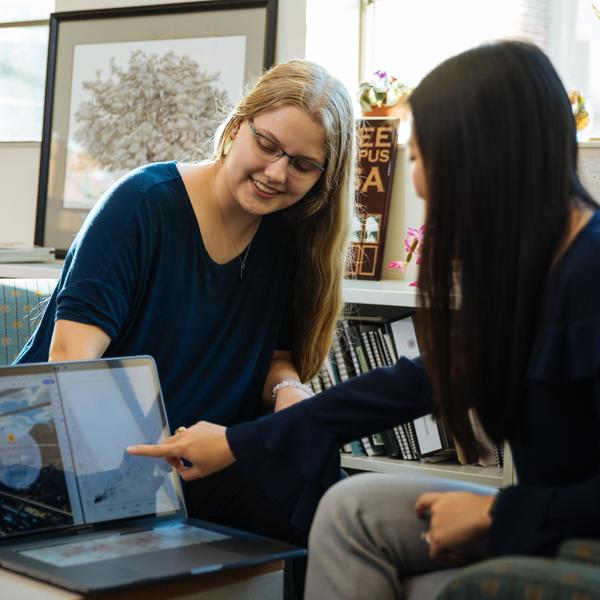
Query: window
<point x="23" y="49"/>
<point x="408" y="38"/>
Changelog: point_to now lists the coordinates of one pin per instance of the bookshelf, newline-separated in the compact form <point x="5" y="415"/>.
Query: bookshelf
<point x="380" y="464"/>
<point x="381" y="296"/>
<point x="380" y="293"/>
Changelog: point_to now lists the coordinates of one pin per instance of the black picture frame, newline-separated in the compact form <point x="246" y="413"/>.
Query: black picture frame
<point x="61" y="208"/>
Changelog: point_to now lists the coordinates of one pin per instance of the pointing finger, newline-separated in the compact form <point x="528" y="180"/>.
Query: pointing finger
<point x="154" y="450"/>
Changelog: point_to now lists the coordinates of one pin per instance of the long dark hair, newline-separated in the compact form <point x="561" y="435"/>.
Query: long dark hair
<point x="497" y="136"/>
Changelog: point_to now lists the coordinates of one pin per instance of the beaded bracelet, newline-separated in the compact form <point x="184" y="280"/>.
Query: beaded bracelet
<point x="294" y="383"/>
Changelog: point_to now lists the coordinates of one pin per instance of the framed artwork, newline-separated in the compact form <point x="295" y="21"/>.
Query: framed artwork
<point x="130" y="86"/>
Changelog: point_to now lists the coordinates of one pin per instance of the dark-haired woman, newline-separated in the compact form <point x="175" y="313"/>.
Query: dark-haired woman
<point x="510" y="289"/>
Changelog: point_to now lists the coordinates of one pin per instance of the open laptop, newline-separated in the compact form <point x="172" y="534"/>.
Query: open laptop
<point x="75" y="509"/>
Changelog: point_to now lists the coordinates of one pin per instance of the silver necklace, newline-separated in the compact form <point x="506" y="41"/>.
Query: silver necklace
<point x="239" y="257"/>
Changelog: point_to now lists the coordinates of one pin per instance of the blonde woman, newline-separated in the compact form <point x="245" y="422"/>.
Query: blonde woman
<point x="227" y="272"/>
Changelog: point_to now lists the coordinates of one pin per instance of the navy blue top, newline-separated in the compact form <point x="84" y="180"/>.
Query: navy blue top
<point x="138" y="269"/>
<point x="556" y="448"/>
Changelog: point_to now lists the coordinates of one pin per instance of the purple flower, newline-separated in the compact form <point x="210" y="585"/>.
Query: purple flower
<point x="397" y="264"/>
<point x="412" y="245"/>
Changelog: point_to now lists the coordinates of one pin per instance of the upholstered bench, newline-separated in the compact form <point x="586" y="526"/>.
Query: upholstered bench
<point x="573" y="575"/>
<point x="22" y="303"/>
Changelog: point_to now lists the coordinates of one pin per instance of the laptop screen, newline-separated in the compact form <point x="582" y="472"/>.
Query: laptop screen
<point x="64" y="428"/>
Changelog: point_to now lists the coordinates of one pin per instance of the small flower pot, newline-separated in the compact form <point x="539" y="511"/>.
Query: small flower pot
<point x="385" y="111"/>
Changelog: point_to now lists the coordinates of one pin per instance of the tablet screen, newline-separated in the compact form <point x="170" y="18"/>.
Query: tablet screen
<point x="63" y="432"/>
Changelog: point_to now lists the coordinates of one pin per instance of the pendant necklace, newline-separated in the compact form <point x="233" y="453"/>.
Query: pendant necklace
<point x="239" y="257"/>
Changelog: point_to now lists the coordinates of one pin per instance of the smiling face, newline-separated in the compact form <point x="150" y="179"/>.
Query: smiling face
<point x="260" y="185"/>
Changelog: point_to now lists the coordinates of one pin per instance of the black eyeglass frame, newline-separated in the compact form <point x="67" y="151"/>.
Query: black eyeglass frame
<point x="281" y="152"/>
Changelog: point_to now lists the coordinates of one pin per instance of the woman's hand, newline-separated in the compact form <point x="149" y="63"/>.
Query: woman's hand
<point x="456" y="519"/>
<point x="204" y="445"/>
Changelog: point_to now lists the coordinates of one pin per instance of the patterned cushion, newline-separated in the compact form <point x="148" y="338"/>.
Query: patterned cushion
<point x="581" y="550"/>
<point x="22" y="303"/>
<point x="524" y="578"/>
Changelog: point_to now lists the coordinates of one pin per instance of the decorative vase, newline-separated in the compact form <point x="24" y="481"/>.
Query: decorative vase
<point x="396" y="110"/>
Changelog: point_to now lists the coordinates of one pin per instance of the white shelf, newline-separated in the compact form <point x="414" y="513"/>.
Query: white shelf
<point x="492" y="476"/>
<point x="386" y="292"/>
<point x="49" y="270"/>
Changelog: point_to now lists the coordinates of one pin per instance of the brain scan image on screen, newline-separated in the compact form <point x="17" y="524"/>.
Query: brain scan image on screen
<point x="20" y="460"/>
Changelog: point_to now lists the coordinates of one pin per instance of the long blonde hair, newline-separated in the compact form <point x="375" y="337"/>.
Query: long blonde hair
<point x="322" y="219"/>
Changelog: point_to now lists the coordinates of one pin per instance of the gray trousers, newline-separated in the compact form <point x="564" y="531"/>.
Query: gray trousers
<point x="365" y="541"/>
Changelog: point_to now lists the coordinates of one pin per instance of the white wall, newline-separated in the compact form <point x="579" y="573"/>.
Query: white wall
<point x="332" y="37"/>
<point x="19" y="163"/>
<point x="574" y="47"/>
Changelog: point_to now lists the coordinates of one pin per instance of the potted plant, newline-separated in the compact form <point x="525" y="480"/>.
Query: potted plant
<point x="413" y="245"/>
<point x="383" y="95"/>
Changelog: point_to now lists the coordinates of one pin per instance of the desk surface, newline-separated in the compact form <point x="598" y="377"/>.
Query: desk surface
<point x="264" y="581"/>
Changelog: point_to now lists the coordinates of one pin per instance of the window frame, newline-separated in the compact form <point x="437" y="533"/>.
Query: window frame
<point x="16" y="25"/>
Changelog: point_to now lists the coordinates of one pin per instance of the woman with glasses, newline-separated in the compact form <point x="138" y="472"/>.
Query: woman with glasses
<point x="228" y="272"/>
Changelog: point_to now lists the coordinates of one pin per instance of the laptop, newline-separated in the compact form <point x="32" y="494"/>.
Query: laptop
<point x="79" y="512"/>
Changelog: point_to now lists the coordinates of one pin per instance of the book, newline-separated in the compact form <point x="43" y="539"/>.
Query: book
<point x="409" y="428"/>
<point x="402" y="442"/>
<point x="325" y="378"/>
<point x="366" y="443"/>
<point x="338" y="355"/>
<point x="377" y="146"/>
<point x="362" y="358"/>
<point x="428" y="435"/>
<point x="368" y="350"/>
<point x="392" y="446"/>
<point x="315" y="383"/>
<point x="377" y="444"/>
<point x="389" y="341"/>
<point x="332" y="370"/>
<point x="405" y="337"/>
<point x="357" y="448"/>
<point x="375" y="347"/>
<point x="387" y="355"/>
<point x="349" y="350"/>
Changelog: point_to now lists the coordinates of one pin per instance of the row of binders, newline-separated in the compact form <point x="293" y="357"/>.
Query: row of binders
<point x="361" y="345"/>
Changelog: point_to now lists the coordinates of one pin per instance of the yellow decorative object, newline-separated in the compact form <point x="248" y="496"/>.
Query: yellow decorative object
<point x="4" y="308"/>
<point x="11" y="437"/>
<point x="15" y="293"/>
<point x="6" y="341"/>
<point x="581" y="112"/>
<point x="17" y="324"/>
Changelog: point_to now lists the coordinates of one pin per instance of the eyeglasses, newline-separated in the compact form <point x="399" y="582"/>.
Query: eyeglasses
<point x="300" y="167"/>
